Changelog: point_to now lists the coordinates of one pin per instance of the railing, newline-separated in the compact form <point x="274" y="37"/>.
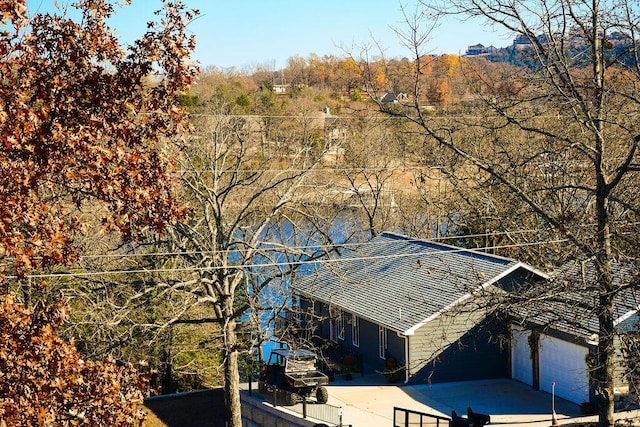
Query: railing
<point x="319" y="411"/>
<point x="406" y="418"/>
<point x="323" y="412"/>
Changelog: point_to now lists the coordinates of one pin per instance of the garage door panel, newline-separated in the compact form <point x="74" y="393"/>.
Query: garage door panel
<point x="521" y="364"/>
<point x="563" y="363"/>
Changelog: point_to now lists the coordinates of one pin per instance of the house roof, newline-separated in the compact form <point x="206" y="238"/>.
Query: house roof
<point x="571" y="306"/>
<point x="402" y="283"/>
<point x="392" y="97"/>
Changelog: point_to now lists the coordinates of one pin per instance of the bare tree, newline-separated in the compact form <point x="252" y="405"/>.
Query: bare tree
<point x="560" y="146"/>
<point x="370" y="162"/>
<point x="253" y="223"/>
<point x="128" y="306"/>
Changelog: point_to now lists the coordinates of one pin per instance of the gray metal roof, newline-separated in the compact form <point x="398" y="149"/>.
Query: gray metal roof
<point x="571" y="301"/>
<point x="402" y="283"/>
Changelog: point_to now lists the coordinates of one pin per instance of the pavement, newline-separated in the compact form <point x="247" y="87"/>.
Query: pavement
<point x="509" y="402"/>
<point x="367" y="401"/>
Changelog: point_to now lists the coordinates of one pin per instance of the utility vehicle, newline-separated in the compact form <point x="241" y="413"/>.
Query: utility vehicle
<point x="296" y="373"/>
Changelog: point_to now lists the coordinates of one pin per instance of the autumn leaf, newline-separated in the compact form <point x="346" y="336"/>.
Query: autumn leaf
<point x="37" y="362"/>
<point x="73" y="135"/>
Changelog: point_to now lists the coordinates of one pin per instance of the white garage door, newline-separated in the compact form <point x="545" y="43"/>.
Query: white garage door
<point x="564" y="363"/>
<point x="521" y="363"/>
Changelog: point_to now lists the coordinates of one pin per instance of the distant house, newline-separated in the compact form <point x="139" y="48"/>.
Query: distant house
<point x="554" y="342"/>
<point x="618" y="37"/>
<point x="575" y="36"/>
<point x="394" y="98"/>
<point x="521" y="42"/>
<point x="335" y="129"/>
<point x="281" y="89"/>
<point x="412" y="301"/>
<point x="480" y="50"/>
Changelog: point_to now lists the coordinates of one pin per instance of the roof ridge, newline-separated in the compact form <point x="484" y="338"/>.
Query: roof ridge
<point x="461" y="250"/>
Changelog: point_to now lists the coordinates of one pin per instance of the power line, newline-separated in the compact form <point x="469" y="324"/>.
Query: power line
<point x="408" y="168"/>
<point x="303" y="262"/>
<point x="374" y="115"/>
<point x="300" y="248"/>
<point x="288" y="263"/>
<point x="321" y="169"/>
<point x="293" y="248"/>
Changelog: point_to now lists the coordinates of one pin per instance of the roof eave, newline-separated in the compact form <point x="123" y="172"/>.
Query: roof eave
<point x="483" y="286"/>
<point x="624" y="317"/>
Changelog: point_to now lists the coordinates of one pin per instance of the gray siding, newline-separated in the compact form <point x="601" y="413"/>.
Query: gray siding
<point x="453" y="347"/>
<point x="437" y="335"/>
<point x="396" y="347"/>
<point x="457" y="347"/>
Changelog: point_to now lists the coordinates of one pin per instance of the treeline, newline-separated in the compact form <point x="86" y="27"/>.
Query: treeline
<point x="448" y="82"/>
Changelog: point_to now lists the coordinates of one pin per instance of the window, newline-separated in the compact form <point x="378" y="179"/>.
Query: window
<point x="355" y="330"/>
<point x="382" y="342"/>
<point x="340" y="325"/>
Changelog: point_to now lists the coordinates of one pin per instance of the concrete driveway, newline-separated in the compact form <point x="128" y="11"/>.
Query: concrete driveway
<point x="508" y="402"/>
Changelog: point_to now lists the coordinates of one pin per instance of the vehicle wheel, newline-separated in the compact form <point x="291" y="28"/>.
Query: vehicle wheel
<point x="291" y="399"/>
<point x="322" y="395"/>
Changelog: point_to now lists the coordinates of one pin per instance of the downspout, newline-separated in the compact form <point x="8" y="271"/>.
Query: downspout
<point x="406" y="362"/>
<point x="406" y="355"/>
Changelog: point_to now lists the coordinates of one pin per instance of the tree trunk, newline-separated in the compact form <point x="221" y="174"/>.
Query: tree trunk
<point x="604" y="372"/>
<point x="606" y="351"/>
<point x="231" y="373"/>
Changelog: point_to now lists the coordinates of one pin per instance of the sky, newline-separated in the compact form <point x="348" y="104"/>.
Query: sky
<point x="243" y="34"/>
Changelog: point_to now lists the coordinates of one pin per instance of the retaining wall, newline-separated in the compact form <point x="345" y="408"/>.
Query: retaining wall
<point x="257" y="413"/>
